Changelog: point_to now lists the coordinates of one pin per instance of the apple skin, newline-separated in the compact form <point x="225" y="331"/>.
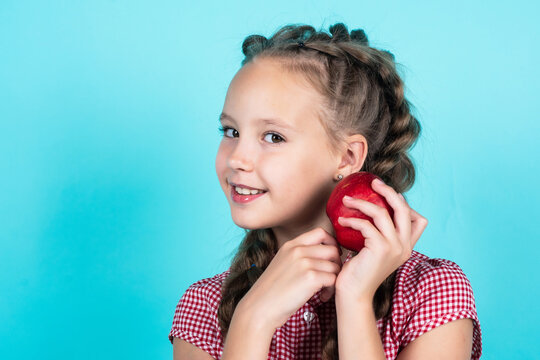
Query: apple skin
<point x="356" y="185"/>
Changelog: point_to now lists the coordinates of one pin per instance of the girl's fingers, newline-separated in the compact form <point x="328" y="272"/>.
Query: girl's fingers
<point x="329" y="286"/>
<point x="380" y="216"/>
<point x="418" y="224"/>
<point x="364" y="226"/>
<point x="316" y="244"/>
<point x="321" y="252"/>
<point x="326" y="266"/>
<point x="407" y="223"/>
<point x="402" y="214"/>
<point x="313" y="237"/>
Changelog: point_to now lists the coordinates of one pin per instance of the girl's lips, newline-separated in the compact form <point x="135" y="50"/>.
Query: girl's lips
<point x="241" y="198"/>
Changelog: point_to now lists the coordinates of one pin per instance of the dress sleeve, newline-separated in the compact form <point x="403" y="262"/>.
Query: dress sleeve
<point x="443" y="294"/>
<point x="195" y="319"/>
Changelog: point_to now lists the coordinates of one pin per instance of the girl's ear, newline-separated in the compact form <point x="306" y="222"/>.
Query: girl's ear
<point x="353" y="155"/>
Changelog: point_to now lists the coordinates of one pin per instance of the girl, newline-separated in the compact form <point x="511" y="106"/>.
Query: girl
<point x="305" y="110"/>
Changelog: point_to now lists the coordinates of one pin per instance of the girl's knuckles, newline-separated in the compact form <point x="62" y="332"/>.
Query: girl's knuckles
<point x="328" y="279"/>
<point x="296" y="252"/>
<point x="286" y="246"/>
<point x="333" y="278"/>
<point x="398" y="252"/>
<point x="306" y="263"/>
<point x="320" y="232"/>
<point x="311" y="276"/>
<point x="332" y="251"/>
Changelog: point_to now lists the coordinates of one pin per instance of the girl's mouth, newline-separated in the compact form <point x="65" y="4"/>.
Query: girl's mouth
<point x="244" y="198"/>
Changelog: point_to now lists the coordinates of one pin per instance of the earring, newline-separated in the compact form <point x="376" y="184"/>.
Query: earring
<point x="339" y="177"/>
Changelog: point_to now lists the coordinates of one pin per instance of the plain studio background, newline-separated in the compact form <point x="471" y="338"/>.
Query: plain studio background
<point x="109" y="202"/>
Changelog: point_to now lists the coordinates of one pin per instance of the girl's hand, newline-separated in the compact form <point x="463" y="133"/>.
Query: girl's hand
<point x="386" y="246"/>
<point x="300" y="268"/>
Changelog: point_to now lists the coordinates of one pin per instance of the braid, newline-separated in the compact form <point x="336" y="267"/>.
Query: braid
<point x="258" y="247"/>
<point x="362" y="94"/>
<point x="391" y="161"/>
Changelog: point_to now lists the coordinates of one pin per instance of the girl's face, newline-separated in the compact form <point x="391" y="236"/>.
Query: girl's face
<point x="273" y="141"/>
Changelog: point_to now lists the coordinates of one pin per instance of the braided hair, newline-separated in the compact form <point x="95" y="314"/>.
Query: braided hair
<point x="363" y="94"/>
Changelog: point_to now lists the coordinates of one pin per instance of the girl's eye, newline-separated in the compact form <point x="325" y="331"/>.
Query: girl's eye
<point x="274" y="136"/>
<point x="224" y="130"/>
<point x="273" y="139"/>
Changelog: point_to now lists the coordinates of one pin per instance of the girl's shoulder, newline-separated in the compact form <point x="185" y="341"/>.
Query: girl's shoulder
<point x="209" y="287"/>
<point x="211" y="282"/>
<point x="423" y="271"/>
<point x="422" y="280"/>
<point x="430" y="292"/>
<point x="196" y="315"/>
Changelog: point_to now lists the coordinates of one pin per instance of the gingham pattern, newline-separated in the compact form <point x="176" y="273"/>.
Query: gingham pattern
<point x="428" y="293"/>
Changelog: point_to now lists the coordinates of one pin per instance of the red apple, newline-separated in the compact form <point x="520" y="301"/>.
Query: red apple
<point x="356" y="185"/>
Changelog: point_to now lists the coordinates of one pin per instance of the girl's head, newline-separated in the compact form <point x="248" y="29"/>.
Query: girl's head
<point x="274" y="141"/>
<point x="295" y="117"/>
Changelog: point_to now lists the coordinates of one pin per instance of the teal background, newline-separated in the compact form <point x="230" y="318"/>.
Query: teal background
<point x="109" y="202"/>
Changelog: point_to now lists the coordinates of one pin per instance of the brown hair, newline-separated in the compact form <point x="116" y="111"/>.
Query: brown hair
<point x="363" y="94"/>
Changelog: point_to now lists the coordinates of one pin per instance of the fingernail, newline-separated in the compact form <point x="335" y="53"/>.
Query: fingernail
<point x="347" y="198"/>
<point x="379" y="181"/>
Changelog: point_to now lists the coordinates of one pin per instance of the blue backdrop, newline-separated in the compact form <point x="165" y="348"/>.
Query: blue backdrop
<point x="109" y="202"/>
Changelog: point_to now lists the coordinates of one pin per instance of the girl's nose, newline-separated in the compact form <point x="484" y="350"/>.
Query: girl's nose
<point x="241" y="159"/>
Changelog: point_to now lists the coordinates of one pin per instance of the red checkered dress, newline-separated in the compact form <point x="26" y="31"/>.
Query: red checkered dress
<point x="428" y="293"/>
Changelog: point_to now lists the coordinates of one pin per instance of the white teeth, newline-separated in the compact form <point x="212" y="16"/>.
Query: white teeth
<point x="247" y="191"/>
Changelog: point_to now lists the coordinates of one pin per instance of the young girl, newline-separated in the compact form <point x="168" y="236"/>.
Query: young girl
<point x="305" y="110"/>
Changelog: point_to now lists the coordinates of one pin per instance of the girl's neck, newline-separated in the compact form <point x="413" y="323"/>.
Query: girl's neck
<point x="283" y="235"/>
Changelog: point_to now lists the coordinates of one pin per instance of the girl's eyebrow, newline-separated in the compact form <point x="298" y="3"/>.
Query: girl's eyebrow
<point x="276" y="122"/>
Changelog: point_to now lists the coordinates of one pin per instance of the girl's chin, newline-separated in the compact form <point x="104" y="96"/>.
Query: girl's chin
<point x="247" y="224"/>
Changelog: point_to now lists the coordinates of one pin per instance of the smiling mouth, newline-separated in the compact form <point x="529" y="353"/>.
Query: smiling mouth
<point x="243" y="191"/>
<point x="244" y="198"/>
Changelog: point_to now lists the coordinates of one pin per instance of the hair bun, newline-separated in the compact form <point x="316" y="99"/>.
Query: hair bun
<point x="253" y="44"/>
<point x="339" y="32"/>
<point x="360" y="36"/>
<point x="389" y="55"/>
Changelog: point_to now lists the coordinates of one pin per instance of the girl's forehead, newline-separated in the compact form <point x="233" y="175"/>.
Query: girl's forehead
<point x="265" y="91"/>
